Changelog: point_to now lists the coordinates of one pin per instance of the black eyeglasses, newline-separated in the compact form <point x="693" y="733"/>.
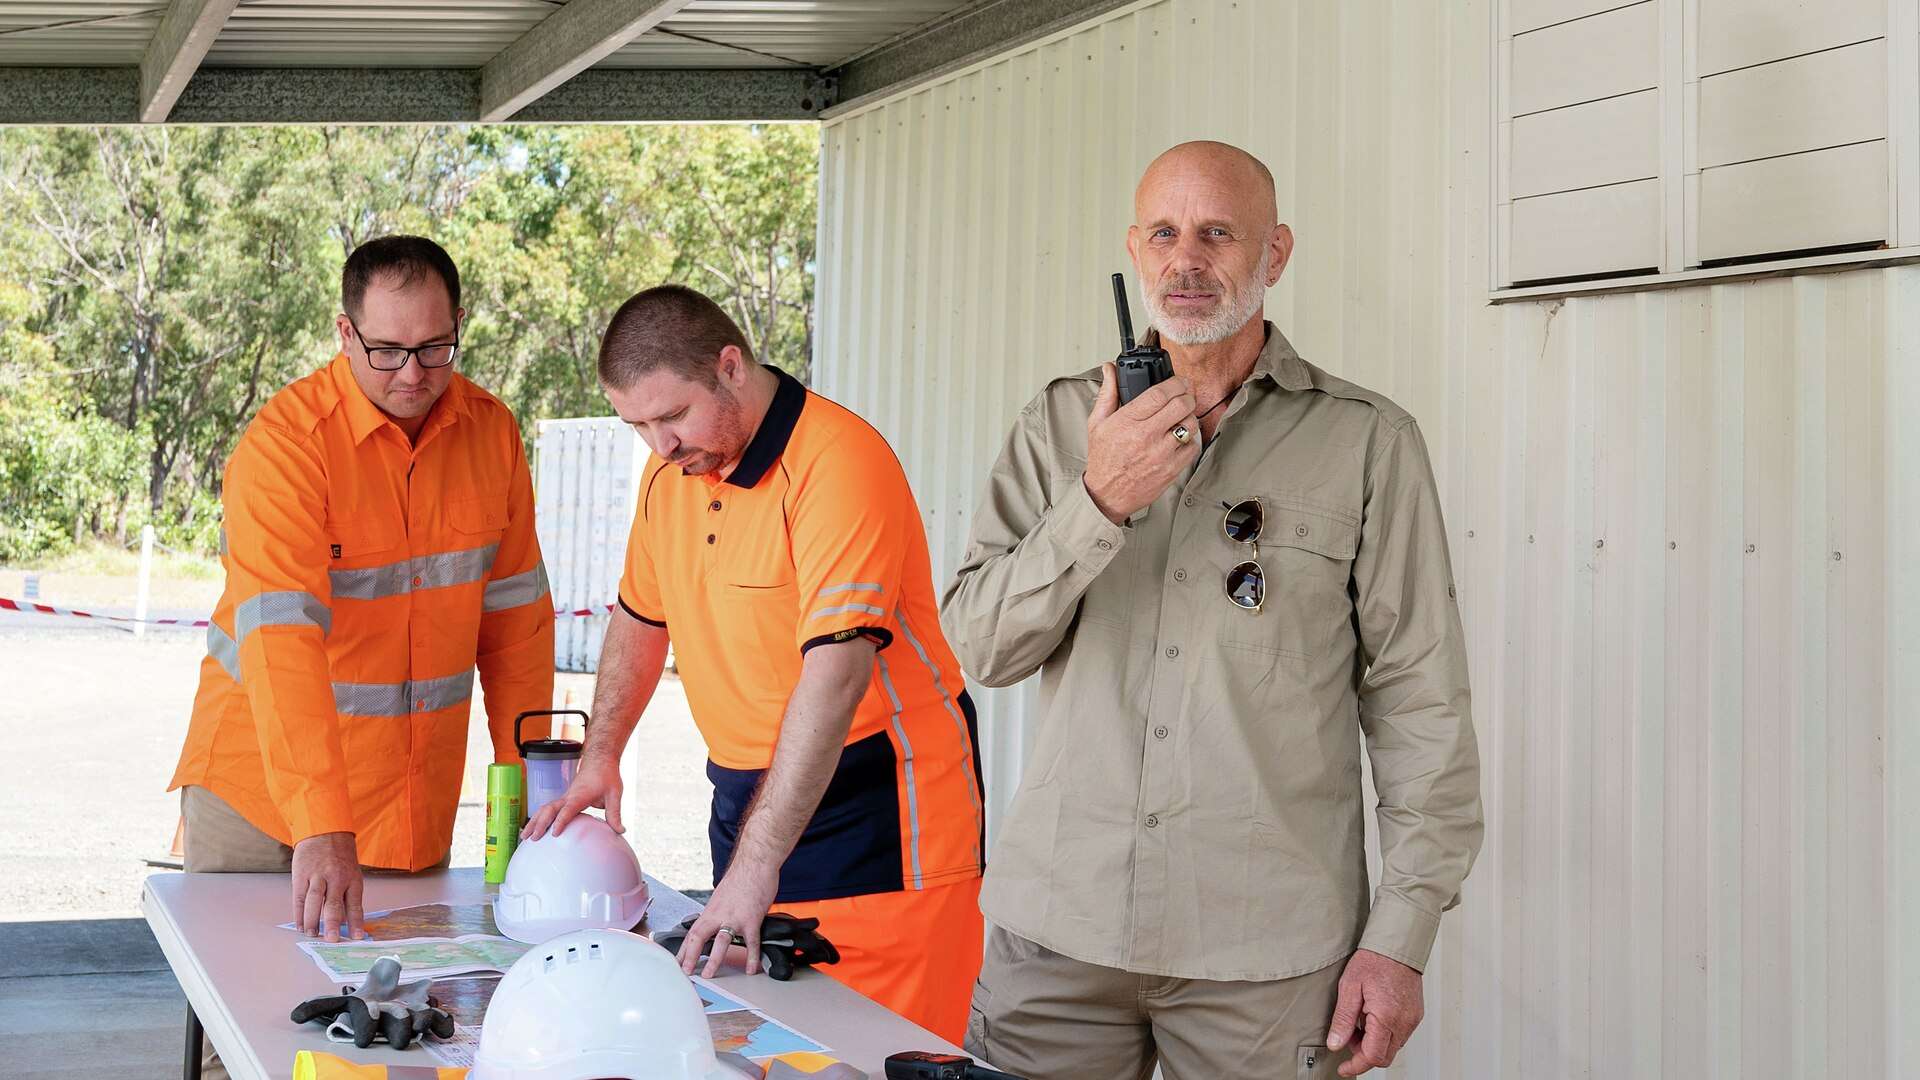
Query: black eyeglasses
<point x="393" y="358"/>
<point x="1246" y="582"/>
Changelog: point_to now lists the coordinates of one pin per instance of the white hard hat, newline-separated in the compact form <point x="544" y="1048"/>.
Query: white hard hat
<point x="597" y="1003"/>
<point x="582" y="879"/>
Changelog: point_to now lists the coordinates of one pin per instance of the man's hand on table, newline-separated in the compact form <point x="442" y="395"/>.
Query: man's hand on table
<point x="327" y="886"/>
<point x="1379" y="1006"/>
<point x="740" y="903"/>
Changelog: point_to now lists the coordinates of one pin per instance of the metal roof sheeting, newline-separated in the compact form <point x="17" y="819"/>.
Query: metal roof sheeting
<point x="448" y="33"/>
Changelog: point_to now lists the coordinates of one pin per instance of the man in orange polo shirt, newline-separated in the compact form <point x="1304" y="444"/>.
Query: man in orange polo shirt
<point x="777" y="542"/>
<point x="379" y="548"/>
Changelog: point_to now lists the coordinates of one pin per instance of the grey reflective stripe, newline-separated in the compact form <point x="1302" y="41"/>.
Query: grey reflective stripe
<point x="223" y="539"/>
<point x="906" y="749"/>
<point x="224" y="650"/>
<point x="865" y="609"/>
<point x="412" y="1072"/>
<point x="512" y="592"/>
<point x="280" y="609"/>
<point x="264" y="609"/>
<point x="370" y="699"/>
<point x="959" y="722"/>
<point x="442" y="693"/>
<point x="399" y="699"/>
<point x="851" y="586"/>
<point x="396" y="578"/>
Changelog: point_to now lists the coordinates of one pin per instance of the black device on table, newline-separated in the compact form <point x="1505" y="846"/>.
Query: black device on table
<point x="1138" y="366"/>
<point x="920" y="1065"/>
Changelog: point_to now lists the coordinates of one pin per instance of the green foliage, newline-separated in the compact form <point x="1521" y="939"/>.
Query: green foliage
<point x="59" y="466"/>
<point x="157" y="285"/>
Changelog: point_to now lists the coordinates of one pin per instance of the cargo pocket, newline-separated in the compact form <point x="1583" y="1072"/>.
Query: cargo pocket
<point x="976" y="1043"/>
<point x="1315" y="1062"/>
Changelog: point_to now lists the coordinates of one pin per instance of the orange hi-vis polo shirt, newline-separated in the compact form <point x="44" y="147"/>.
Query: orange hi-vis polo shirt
<point x="367" y="578"/>
<point x="813" y="539"/>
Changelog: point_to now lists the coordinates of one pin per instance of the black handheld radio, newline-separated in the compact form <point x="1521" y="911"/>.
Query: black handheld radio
<point x="1138" y="366"/>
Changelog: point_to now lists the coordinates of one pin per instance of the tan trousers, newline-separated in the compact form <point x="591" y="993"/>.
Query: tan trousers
<point x="1043" y="1016"/>
<point x="219" y="841"/>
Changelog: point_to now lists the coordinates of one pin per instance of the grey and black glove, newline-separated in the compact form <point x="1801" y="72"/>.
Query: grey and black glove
<point x="380" y="1008"/>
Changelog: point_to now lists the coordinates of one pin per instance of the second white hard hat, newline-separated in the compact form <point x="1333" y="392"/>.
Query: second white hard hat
<point x="586" y="877"/>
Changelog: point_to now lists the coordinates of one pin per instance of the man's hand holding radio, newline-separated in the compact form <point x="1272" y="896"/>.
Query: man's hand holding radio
<point x="1133" y="452"/>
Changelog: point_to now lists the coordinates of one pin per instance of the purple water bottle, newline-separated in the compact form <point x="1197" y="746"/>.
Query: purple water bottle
<point x="551" y="762"/>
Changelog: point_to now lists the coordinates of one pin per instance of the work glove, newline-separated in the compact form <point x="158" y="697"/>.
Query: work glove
<point x="786" y="943"/>
<point x="380" y="1008"/>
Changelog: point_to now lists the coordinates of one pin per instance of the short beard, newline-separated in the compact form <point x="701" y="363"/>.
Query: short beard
<point x="1222" y="324"/>
<point x="731" y="430"/>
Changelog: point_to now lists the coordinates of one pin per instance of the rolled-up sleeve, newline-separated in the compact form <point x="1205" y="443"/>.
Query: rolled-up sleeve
<point x="1037" y="542"/>
<point x="1415" y="705"/>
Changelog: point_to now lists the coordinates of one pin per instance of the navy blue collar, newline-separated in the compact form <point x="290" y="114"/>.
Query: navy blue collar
<point x="776" y="430"/>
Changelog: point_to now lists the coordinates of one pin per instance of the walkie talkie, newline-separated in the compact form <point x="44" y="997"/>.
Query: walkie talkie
<point x="1137" y="366"/>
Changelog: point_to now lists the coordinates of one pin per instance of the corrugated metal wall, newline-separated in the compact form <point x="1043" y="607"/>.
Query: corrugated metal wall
<point x="583" y="493"/>
<point x="1683" y="521"/>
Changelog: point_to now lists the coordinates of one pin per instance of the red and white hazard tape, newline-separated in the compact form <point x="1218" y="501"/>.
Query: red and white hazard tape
<point x="31" y="608"/>
<point x="598" y="609"/>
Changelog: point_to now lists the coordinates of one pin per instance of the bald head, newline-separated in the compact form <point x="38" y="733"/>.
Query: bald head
<point x="1238" y="175"/>
<point x="1206" y="241"/>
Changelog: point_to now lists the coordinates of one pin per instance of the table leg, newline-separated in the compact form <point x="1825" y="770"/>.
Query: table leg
<point x="196" y="1036"/>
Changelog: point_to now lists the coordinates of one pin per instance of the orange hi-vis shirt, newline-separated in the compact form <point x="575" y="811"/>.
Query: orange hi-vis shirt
<point x="813" y="539"/>
<point x="367" y="578"/>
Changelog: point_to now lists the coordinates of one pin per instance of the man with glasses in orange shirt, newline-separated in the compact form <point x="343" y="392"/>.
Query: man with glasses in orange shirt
<point x="379" y="548"/>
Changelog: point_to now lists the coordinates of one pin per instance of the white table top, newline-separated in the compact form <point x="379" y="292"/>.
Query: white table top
<point x="243" y="974"/>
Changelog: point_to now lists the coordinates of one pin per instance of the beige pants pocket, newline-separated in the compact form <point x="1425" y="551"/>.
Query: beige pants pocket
<point x="976" y="1043"/>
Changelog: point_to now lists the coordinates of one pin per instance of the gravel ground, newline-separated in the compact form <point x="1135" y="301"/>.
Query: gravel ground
<point x="93" y="722"/>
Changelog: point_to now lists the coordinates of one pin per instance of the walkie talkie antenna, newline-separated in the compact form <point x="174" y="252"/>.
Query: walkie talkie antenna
<point x="1120" y="308"/>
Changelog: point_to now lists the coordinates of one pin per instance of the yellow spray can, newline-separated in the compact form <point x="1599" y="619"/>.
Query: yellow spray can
<point x="506" y="813"/>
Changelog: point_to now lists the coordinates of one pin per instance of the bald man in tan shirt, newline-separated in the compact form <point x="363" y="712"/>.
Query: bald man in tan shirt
<point x="1226" y="585"/>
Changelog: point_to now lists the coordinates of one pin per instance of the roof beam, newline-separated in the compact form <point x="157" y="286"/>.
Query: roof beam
<point x="229" y="95"/>
<point x="948" y="44"/>
<point x="565" y="43"/>
<point x="186" y="32"/>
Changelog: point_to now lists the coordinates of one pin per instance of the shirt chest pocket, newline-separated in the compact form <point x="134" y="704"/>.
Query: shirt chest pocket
<point x="1305" y="555"/>
<point x="477" y="520"/>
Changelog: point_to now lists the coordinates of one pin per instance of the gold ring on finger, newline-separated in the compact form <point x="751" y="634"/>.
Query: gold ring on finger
<point x="1181" y="435"/>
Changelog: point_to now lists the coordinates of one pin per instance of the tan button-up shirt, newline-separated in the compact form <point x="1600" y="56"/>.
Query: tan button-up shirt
<point x="1192" y="804"/>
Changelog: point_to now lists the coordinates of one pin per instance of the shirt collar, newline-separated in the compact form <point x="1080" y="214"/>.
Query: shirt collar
<point x="775" y="431"/>
<point x="1277" y="361"/>
<point x="364" y="417"/>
